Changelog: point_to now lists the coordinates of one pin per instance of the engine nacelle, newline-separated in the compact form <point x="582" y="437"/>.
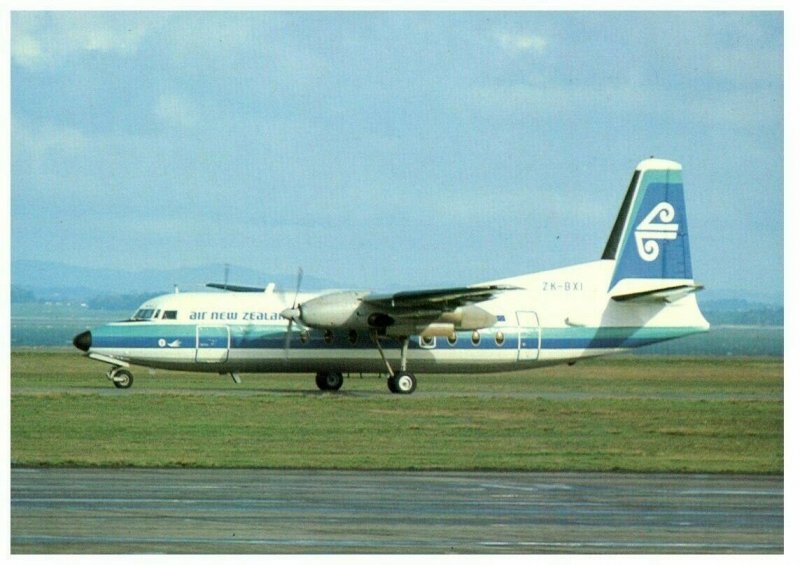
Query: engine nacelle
<point x="468" y="318"/>
<point x="438" y="330"/>
<point x="331" y="310"/>
<point x="346" y="310"/>
<point x="342" y="310"/>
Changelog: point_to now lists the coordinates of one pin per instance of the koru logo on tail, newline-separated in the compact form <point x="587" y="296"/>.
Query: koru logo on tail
<point x="655" y="226"/>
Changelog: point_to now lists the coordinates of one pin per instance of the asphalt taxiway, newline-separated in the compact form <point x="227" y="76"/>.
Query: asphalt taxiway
<point x="267" y="511"/>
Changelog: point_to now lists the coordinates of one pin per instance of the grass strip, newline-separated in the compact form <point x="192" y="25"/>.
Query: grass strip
<point x="724" y="416"/>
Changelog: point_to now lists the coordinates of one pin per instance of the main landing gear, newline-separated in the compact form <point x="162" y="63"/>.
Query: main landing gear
<point x="399" y="382"/>
<point x="403" y="381"/>
<point x="329" y="382"/>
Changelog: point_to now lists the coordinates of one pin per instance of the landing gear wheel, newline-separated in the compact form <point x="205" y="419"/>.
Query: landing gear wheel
<point x="403" y="383"/>
<point x="330" y="381"/>
<point x="122" y="379"/>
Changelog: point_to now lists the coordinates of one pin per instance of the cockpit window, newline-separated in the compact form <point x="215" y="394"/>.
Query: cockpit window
<point x="170" y="315"/>
<point x="144" y="314"/>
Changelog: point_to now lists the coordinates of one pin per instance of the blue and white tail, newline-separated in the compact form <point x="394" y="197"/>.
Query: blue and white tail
<point x="650" y="239"/>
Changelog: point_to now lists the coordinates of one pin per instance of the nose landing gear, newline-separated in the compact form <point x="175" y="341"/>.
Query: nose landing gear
<point x="122" y="378"/>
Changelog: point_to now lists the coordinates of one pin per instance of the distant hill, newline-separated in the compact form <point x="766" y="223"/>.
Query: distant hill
<point x="740" y="312"/>
<point x="51" y="281"/>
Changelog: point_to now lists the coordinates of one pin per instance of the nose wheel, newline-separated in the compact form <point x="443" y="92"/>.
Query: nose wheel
<point x="121" y="378"/>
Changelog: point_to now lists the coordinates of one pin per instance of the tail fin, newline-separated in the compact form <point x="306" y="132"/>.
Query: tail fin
<point x="650" y="238"/>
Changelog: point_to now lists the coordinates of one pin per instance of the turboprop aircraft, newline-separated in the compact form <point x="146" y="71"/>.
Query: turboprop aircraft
<point x="641" y="291"/>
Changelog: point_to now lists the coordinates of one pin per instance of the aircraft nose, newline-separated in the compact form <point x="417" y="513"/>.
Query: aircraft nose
<point x="83" y="341"/>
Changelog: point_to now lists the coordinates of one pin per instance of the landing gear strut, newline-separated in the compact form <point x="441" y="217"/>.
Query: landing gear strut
<point x="404" y="381"/>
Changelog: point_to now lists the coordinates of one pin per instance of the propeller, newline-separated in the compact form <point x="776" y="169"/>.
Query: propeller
<point x="292" y="314"/>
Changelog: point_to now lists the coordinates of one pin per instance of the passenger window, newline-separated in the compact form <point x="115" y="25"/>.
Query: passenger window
<point x="476" y="338"/>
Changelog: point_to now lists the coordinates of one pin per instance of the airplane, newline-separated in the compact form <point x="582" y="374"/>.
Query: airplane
<point x="641" y="291"/>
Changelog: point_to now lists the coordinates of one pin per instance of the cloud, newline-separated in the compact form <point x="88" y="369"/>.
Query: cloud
<point x="40" y="139"/>
<point x="521" y="42"/>
<point x="554" y="99"/>
<point x="26" y="50"/>
<point x="734" y="108"/>
<point x="42" y="40"/>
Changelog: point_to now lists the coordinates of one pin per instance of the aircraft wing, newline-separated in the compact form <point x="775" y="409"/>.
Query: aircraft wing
<point x="235" y="287"/>
<point x="413" y="310"/>
<point x="401" y="313"/>
<point x="442" y="299"/>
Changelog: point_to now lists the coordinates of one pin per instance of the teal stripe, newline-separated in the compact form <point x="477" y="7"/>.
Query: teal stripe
<point x="138" y="335"/>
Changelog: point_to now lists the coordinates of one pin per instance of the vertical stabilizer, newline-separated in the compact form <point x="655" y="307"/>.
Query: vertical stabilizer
<point x="650" y="238"/>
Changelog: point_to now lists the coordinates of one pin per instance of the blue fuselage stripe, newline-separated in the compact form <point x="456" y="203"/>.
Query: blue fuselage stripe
<point x="159" y="336"/>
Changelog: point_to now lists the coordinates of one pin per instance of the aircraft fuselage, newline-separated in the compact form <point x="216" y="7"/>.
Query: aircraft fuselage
<point x="641" y="291"/>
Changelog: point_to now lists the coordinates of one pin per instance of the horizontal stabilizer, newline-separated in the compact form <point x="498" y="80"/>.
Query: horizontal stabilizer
<point x="658" y="294"/>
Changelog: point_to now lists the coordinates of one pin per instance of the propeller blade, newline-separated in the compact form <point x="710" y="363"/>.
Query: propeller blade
<point x="288" y="339"/>
<point x="297" y="289"/>
<point x="292" y="314"/>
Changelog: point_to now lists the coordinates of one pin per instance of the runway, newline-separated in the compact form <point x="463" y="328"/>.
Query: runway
<point x="264" y="511"/>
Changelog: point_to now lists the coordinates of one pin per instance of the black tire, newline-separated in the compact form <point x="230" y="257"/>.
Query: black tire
<point x="328" y="381"/>
<point x="126" y="379"/>
<point x="403" y="383"/>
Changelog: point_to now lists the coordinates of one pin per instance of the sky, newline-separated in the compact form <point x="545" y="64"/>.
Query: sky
<point x="391" y="150"/>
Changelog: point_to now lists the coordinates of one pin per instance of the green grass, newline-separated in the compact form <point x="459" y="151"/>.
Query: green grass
<point x="619" y="414"/>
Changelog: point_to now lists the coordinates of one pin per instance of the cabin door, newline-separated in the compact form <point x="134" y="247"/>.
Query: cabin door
<point x="530" y="336"/>
<point x="213" y="344"/>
